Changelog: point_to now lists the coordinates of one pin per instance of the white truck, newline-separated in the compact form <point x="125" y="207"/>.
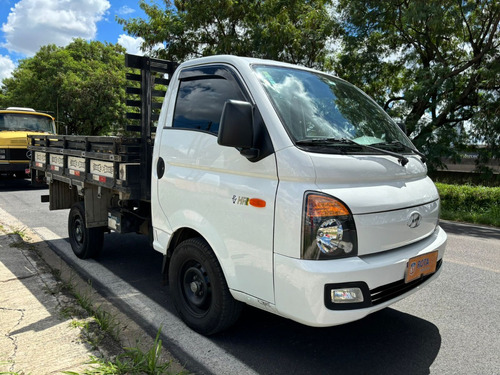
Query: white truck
<point x="265" y="184"/>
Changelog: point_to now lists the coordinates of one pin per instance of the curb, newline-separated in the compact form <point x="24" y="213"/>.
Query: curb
<point x="48" y="263"/>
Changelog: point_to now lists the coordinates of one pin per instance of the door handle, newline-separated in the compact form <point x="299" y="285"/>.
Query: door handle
<point x="160" y="167"/>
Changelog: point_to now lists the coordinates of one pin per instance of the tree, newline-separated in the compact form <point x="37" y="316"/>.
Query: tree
<point x="83" y="84"/>
<point x="435" y="64"/>
<point x="293" y="31"/>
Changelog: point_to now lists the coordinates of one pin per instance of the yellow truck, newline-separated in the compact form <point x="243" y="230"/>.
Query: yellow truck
<point x="16" y="123"/>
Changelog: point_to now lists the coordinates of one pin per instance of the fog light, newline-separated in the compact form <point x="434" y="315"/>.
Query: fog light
<point x="347" y="295"/>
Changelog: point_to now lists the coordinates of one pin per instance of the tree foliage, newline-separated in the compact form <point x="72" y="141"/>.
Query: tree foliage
<point x="434" y="64"/>
<point x="293" y="31"/>
<point x="83" y="84"/>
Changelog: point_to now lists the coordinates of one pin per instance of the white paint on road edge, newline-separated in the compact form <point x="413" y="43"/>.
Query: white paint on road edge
<point x="201" y="349"/>
<point x="46" y="234"/>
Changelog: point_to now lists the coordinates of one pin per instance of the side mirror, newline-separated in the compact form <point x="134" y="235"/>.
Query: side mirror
<point x="236" y="127"/>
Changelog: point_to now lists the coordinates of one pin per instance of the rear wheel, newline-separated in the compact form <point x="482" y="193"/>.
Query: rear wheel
<point x="85" y="242"/>
<point x="199" y="289"/>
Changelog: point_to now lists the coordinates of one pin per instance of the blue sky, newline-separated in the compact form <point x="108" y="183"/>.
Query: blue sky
<point x="26" y="25"/>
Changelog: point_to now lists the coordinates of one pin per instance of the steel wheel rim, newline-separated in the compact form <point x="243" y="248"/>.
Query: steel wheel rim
<point x="78" y="231"/>
<point x="196" y="288"/>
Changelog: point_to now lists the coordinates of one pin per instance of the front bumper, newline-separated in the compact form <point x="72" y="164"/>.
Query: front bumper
<point x="13" y="166"/>
<point x="14" y="159"/>
<point x="300" y="284"/>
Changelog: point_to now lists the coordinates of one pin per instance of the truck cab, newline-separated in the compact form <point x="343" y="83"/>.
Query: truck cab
<point x="314" y="203"/>
<point x="16" y="123"/>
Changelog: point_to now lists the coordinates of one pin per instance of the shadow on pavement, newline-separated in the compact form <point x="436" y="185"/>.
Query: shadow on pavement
<point x="28" y="281"/>
<point x="388" y="342"/>
<point x="33" y="332"/>
<point x="470" y="230"/>
<point x="18" y="184"/>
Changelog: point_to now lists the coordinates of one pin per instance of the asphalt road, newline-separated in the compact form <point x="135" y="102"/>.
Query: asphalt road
<point x="450" y="327"/>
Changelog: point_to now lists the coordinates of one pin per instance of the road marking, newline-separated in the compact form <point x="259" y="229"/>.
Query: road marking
<point x="46" y="234"/>
<point x="202" y="350"/>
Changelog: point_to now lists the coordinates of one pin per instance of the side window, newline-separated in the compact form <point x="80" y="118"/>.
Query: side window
<point x="201" y="97"/>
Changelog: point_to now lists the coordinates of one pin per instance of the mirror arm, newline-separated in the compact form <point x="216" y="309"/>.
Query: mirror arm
<point x="250" y="153"/>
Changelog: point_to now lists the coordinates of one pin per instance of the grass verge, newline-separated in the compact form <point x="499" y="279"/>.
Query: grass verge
<point x="470" y="204"/>
<point x="133" y="361"/>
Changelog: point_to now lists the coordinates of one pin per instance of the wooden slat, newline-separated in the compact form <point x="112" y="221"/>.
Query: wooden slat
<point x="163" y="68"/>
<point x="133" y="77"/>
<point x="133" y="116"/>
<point x="133" y="90"/>
<point x="134" y="61"/>
<point x="133" y="103"/>
<point x="162" y="81"/>
<point x="137" y="128"/>
<point x="134" y="128"/>
<point x="160" y="93"/>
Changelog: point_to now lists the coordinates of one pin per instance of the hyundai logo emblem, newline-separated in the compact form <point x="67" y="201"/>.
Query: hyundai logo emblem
<point x="414" y="220"/>
<point x="28" y="154"/>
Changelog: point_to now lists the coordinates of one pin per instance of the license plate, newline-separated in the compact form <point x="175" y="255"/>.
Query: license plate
<point x="421" y="265"/>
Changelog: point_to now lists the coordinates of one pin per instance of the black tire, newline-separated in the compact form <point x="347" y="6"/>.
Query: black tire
<point x="199" y="289"/>
<point x="85" y="242"/>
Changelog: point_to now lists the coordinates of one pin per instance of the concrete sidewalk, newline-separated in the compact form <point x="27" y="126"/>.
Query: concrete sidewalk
<point x="42" y="328"/>
<point x="35" y="336"/>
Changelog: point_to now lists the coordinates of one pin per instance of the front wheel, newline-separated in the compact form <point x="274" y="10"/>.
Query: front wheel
<point x="85" y="242"/>
<point x="199" y="289"/>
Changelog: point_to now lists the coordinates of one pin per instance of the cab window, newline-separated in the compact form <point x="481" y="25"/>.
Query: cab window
<point x="201" y="97"/>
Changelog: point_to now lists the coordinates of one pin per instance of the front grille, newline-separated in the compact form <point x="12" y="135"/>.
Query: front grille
<point x="387" y="292"/>
<point x="16" y="154"/>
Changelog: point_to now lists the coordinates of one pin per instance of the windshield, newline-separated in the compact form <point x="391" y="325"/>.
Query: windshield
<point x="26" y="122"/>
<point x="314" y="106"/>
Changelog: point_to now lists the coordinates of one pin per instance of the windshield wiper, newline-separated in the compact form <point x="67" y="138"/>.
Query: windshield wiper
<point x="415" y="151"/>
<point x="325" y="141"/>
<point x="401" y="158"/>
<point x="343" y="141"/>
<point x="328" y="142"/>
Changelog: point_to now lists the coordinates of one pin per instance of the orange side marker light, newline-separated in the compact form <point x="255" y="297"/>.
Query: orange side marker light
<point x="256" y="202"/>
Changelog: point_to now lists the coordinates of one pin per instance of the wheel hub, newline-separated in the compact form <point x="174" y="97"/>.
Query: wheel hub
<point x="78" y="231"/>
<point x="196" y="287"/>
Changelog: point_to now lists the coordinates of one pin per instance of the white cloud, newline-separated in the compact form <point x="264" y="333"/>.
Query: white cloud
<point x="7" y="66"/>
<point x="34" y="23"/>
<point x="131" y="44"/>
<point x="124" y="10"/>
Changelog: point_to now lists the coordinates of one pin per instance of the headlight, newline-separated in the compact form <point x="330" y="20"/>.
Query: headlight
<point x="2" y="153"/>
<point x="328" y="228"/>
